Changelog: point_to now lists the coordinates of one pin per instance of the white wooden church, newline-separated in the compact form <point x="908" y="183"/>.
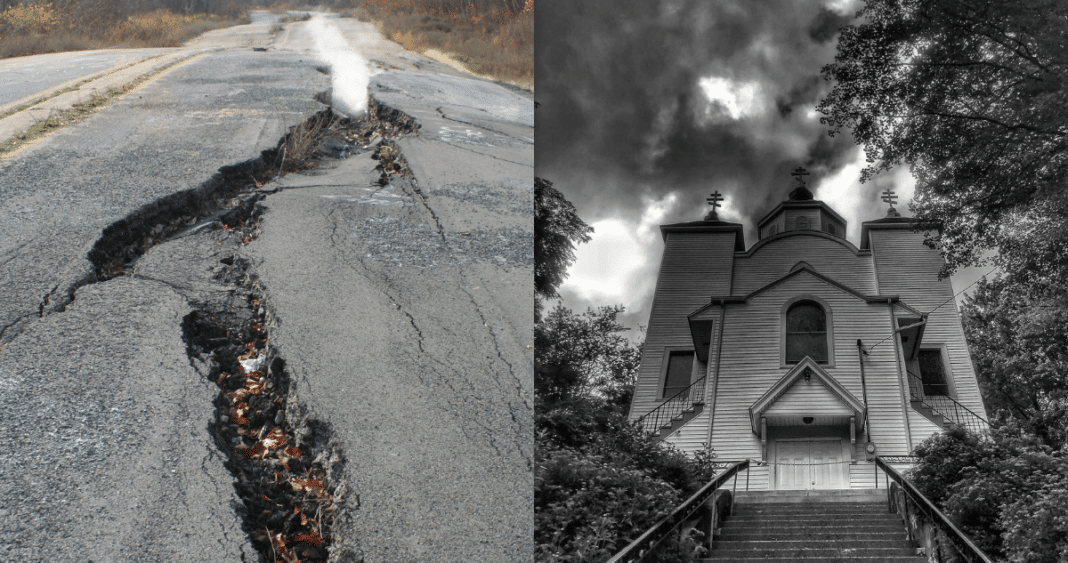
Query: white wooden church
<point x="803" y="350"/>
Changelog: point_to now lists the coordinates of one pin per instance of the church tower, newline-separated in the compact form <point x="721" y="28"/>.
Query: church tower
<point x="804" y="351"/>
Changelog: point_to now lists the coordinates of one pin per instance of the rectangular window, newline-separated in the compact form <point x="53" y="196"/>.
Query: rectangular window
<point x="679" y="369"/>
<point x="933" y="373"/>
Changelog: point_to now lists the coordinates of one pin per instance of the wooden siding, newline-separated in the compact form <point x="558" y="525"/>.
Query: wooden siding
<point x="813" y="216"/>
<point x="780" y="223"/>
<point x="830" y="258"/>
<point x="862" y="473"/>
<point x="751" y="365"/>
<point x="808" y="399"/>
<point x="694" y="267"/>
<point x="905" y="267"/>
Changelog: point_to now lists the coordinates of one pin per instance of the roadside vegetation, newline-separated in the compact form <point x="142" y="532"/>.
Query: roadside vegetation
<point x="35" y="27"/>
<point x="491" y="38"/>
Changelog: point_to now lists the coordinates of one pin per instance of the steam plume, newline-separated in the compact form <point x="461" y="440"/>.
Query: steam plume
<point x="349" y="72"/>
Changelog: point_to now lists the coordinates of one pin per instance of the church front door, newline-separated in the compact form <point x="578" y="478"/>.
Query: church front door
<point x="810" y="464"/>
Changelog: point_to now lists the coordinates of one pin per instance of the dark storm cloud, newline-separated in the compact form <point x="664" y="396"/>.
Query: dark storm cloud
<point x="825" y="26"/>
<point x="624" y="118"/>
<point x="622" y="114"/>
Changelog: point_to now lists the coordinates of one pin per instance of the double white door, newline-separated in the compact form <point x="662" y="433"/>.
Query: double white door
<point x="810" y="464"/>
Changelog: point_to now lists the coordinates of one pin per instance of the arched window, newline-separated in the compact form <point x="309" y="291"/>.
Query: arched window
<point x="802" y="223"/>
<point x="806" y="332"/>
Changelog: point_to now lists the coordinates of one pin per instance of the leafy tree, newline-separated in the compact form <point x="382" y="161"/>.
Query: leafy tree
<point x="585" y="354"/>
<point x="599" y="480"/>
<point x="557" y="228"/>
<point x="971" y="95"/>
<point x="1019" y="345"/>
<point x="1006" y="491"/>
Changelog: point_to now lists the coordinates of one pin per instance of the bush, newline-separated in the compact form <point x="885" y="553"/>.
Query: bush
<point x="599" y="481"/>
<point x="487" y="38"/>
<point x="587" y="508"/>
<point x="34" y="19"/>
<point x="1036" y="524"/>
<point x="67" y="25"/>
<point x="1006" y="492"/>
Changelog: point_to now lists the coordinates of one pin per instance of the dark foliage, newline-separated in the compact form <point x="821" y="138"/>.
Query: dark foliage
<point x="599" y="481"/>
<point x="972" y="96"/>
<point x="557" y="228"/>
<point x="1019" y="343"/>
<point x="1006" y="492"/>
<point x="583" y="354"/>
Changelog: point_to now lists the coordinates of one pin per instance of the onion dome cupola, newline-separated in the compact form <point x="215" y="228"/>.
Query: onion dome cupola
<point x="801" y="212"/>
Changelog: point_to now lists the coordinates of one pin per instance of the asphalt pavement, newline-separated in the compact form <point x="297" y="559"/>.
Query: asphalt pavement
<point x="23" y="77"/>
<point x="402" y="308"/>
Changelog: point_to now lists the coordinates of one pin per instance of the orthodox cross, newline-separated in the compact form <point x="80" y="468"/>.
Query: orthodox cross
<point x="890" y="197"/>
<point x="715" y="199"/>
<point x="798" y="173"/>
<point x="714" y="202"/>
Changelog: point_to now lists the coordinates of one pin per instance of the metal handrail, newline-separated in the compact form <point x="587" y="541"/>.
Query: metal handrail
<point x="961" y="542"/>
<point x="948" y="407"/>
<point x="653" y="420"/>
<point x="641" y="547"/>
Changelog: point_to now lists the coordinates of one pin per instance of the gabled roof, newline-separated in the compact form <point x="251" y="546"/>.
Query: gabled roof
<point x="832" y="386"/>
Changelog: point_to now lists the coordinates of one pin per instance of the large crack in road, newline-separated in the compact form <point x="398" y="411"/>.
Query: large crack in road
<point x="153" y="396"/>
<point x="285" y="464"/>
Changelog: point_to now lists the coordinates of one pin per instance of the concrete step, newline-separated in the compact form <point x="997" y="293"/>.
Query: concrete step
<point x="854" y="496"/>
<point x="813" y="513"/>
<point x="812" y="520"/>
<point x="859" y="559"/>
<point x="814" y="526"/>
<point x="826" y="508"/>
<point x="861" y="533"/>
<point x="794" y="544"/>
<point x="807" y="552"/>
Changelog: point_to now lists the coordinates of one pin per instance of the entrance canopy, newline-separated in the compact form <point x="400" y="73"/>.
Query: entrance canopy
<point x="807" y="396"/>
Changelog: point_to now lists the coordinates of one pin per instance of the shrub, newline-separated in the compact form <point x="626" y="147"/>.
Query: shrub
<point x="1036" y="524"/>
<point x="1006" y="492"/>
<point x="587" y="508"/>
<point x="28" y="19"/>
<point x="599" y="481"/>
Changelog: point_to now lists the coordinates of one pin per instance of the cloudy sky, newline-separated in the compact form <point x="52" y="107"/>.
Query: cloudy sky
<point x="646" y="107"/>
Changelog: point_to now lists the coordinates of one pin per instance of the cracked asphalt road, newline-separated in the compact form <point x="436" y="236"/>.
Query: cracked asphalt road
<point x="404" y="320"/>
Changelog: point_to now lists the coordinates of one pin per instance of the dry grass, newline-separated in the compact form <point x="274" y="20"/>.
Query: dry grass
<point x="491" y="42"/>
<point x="30" y="29"/>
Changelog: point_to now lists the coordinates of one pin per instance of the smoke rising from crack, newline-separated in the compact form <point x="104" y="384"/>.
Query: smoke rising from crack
<point x="349" y="72"/>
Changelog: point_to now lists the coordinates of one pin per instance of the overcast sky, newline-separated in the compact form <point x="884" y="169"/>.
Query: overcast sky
<point x="646" y="107"/>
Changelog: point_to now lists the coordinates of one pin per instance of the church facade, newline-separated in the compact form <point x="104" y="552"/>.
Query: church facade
<point x="803" y="351"/>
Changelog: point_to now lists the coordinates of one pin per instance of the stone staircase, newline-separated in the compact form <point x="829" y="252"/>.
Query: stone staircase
<point x="814" y="526"/>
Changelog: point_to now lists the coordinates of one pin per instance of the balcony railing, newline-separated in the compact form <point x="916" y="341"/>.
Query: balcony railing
<point x="934" y="397"/>
<point x="674" y="407"/>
